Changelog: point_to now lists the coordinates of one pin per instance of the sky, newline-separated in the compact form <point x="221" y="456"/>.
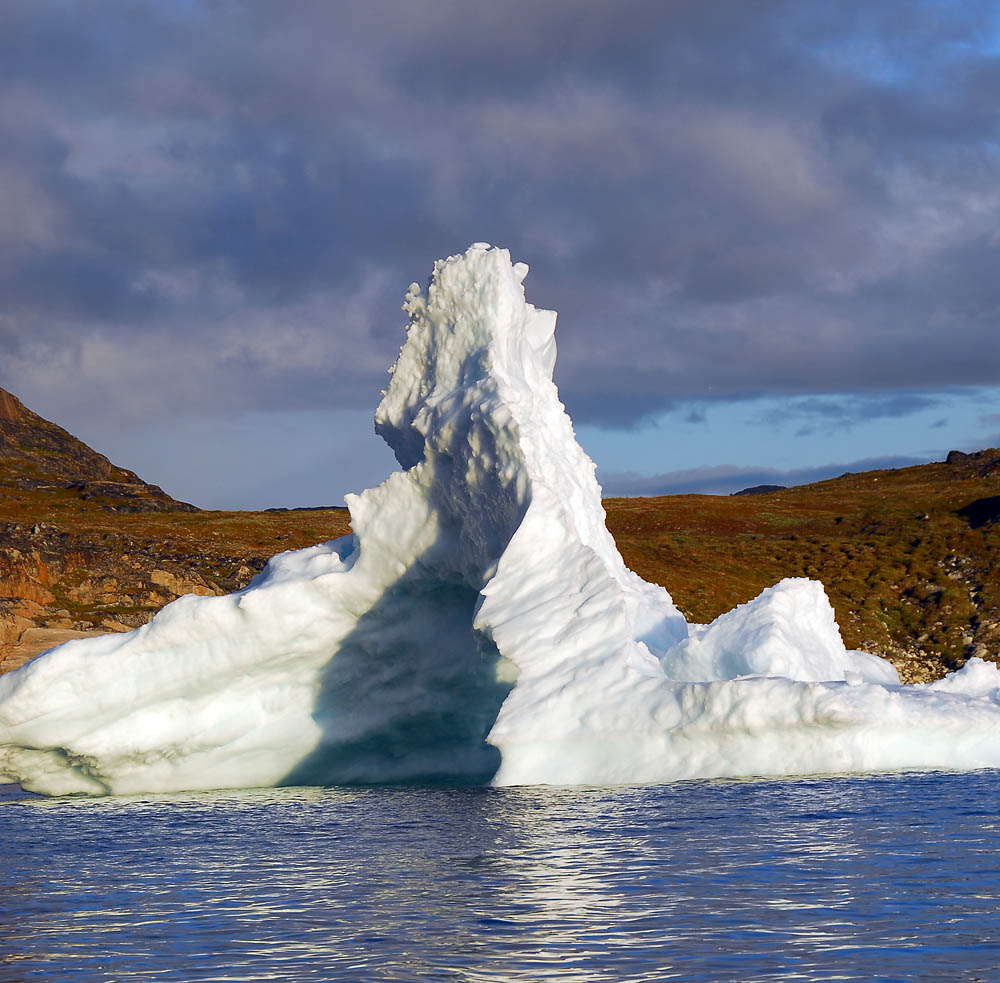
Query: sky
<point x="770" y="229"/>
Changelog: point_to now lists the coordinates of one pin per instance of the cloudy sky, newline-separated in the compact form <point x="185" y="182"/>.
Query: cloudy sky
<point x="771" y="229"/>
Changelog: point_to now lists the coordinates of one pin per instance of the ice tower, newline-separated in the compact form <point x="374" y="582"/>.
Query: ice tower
<point x="478" y="625"/>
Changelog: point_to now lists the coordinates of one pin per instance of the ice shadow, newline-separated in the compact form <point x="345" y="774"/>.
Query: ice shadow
<point x="410" y="694"/>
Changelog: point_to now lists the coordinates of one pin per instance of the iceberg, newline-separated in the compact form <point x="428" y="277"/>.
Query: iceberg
<point x="478" y="625"/>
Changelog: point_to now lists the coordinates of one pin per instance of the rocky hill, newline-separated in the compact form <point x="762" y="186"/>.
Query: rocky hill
<point x="36" y="455"/>
<point x="910" y="558"/>
<point x="87" y="546"/>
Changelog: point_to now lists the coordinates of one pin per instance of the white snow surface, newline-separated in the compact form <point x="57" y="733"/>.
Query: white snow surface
<point x="479" y="624"/>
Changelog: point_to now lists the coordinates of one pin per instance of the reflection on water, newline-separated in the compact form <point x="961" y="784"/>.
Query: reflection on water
<point x="873" y="878"/>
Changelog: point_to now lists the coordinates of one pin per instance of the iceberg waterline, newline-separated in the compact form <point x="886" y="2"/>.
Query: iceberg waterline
<point x="478" y="625"/>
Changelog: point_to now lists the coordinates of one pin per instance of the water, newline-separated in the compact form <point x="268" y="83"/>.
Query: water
<point x="890" y="877"/>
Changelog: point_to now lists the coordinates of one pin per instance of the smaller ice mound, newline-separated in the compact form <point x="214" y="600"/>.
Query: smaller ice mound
<point x="978" y="679"/>
<point x="790" y="630"/>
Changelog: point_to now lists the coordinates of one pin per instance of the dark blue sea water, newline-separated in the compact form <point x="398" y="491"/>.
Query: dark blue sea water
<point x="889" y="877"/>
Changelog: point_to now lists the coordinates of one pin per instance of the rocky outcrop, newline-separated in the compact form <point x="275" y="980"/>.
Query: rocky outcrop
<point x="982" y="464"/>
<point x="54" y="582"/>
<point x="760" y="490"/>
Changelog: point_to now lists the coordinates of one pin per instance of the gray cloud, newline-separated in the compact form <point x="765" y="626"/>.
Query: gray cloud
<point x="219" y="206"/>
<point x="829" y="414"/>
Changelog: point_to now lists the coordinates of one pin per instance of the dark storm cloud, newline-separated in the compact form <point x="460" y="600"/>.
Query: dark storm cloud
<point x="220" y="205"/>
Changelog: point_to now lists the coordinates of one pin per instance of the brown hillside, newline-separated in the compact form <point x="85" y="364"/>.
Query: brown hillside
<point x="35" y="454"/>
<point x="909" y="557"/>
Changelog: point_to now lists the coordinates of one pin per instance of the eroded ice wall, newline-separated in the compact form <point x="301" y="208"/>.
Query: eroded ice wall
<point x="480" y="622"/>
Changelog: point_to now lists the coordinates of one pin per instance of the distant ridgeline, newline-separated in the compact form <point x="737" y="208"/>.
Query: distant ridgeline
<point x="760" y="489"/>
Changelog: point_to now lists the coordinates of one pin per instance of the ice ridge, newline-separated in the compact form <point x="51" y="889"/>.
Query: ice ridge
<point x="478" y="625"/>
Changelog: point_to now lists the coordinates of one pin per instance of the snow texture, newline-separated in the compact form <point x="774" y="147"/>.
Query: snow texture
<point x="478" y="625"/>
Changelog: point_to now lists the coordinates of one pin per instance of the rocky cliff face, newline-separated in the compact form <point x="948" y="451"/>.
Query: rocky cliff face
<point x="56" y="584"/>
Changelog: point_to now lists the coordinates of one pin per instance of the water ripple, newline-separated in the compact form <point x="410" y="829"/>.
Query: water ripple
<point x="890" y="877"/>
